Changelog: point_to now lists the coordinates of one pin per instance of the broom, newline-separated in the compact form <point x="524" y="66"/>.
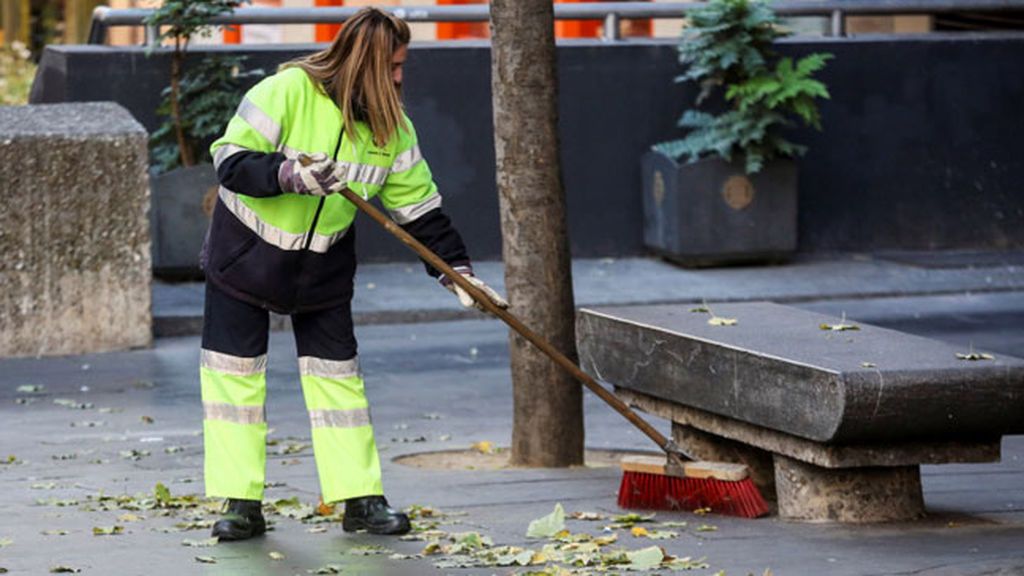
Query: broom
<point x="677" y="483"/>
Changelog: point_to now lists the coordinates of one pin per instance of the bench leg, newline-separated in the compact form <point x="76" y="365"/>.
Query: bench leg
<point x="855" y="495"/>
<point x="700" y="445"/>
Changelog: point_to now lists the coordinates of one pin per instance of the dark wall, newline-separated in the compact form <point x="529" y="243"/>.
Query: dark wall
<point x="920" y="148"/>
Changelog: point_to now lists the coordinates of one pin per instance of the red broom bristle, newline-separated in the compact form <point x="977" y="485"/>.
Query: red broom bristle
<point x="662" y="492"/>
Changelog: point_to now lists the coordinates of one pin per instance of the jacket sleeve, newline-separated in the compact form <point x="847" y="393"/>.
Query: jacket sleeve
<point x="412" y="200"/>
<point x="246" y="157"/>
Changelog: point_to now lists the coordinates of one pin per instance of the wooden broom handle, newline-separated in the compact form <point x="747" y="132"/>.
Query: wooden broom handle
<point x="546" y="347"/>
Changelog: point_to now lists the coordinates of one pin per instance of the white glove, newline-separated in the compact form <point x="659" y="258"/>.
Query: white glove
<point x="312" y="174"/>
<point x="464" y="298"/>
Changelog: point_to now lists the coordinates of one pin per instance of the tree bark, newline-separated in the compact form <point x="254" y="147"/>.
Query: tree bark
<point x="547" y="428"/>
<point x="185" y="153"/>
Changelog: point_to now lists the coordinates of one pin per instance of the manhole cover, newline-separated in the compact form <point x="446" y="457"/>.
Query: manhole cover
<point x="470" y="459"/>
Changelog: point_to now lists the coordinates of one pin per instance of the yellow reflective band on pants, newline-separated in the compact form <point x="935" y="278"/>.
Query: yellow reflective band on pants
<point x="234" y="428"/>
<point x="343" y="443"/>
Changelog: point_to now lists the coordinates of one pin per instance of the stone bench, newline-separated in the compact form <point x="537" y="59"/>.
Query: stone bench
<point x="833" y="424"/>
<point x="74" y="232"/>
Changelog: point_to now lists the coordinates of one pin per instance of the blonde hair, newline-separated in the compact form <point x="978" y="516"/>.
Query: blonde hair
<point x="355" y="70"/>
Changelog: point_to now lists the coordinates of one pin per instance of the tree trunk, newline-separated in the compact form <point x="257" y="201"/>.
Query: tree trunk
<point x="547" y="428"/>
<point x="184" y="149"/>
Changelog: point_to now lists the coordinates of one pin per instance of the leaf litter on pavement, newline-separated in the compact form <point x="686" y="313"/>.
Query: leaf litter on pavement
<point x="559" y="551"/>
<point x="562" y="553"/>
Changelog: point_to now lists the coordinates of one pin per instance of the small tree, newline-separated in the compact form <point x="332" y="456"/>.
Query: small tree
<point x="180" y="21"/>
<point x="728" y="45"/>
<point x="208" y="96"/>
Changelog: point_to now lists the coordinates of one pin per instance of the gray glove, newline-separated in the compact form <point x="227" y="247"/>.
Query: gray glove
<point x="312" y="174"/>
<point x="464" y="298"/>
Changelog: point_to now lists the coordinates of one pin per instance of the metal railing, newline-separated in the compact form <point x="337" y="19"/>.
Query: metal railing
<point x="611" y="13"/>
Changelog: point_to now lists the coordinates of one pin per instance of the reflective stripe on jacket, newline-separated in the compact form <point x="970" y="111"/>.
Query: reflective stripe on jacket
<point x="291" y="252"/>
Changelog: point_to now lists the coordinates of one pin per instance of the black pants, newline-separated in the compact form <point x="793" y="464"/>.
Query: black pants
<point x="234" y="327"/>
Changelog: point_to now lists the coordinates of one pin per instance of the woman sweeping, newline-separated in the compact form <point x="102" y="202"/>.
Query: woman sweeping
<point x="281" y="240"/>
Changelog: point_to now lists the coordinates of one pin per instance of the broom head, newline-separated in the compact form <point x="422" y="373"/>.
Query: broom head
<point x="724" y="488"/>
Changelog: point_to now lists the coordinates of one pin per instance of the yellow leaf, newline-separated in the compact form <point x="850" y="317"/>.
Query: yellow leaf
<point x="324" y="509"/>
<point x="719" y="321"/>
<point x="483" y="447"/>
<point x="276" y="556"/>
<point x="638" y="531"/>
<point x="538" y="558"/>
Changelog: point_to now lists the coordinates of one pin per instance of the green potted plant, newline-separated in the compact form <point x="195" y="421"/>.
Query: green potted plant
<point x="195" y="108"/>
<point x="726" y="191"/>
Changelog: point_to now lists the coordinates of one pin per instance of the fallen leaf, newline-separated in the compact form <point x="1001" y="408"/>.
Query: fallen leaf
<point x="702" y="511"/>
<point x="147" y="419"/>
<point x="205" y="543"/>
<point x="720" y="321"/>
<point x="646" y="558"/>
<point x="633" y="518"/>
<point x="62" y="569"/>
<point x="133" y="454"/>
<point x="71" y="404"/>
<point x="431" y="549"/>
<point x="483" y="447"/>
<point x="107" y="531"/>
<point x="869" y="365"/>
<point x="174" y="449"/>
<point x="549" y="525"/>
<point x="30" y="388"/>
<point x="588" y="516"/>
<point x="54" y="532"/>
<point x="974" y="356"/>
<point x="841" y="327"/>
<point x="206" y="559"/>
<point x="700" y="310"/>
<point x="317" y="529"/>
<point x="672" y="524"/>
<point x="162" y="494"/>
<point x="44" y="486"/>
<point x="706" y="528"/>
<point x="661" y="534"/>
<point x="5" y="542"/>
<point x="368" y="550"/>
<point x="638" y="531"/>
<point x="129" y="517"/>
<point x="276" y="556"/>
<point x="329" y="569"/>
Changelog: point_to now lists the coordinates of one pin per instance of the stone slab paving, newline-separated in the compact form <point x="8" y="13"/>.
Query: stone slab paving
<point x="401" y="292"/>
<point x="448" y="384"/>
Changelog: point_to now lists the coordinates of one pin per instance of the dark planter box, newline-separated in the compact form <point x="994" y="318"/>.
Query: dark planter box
<point x="711" y="213"/>
<point x="178" y="220"/>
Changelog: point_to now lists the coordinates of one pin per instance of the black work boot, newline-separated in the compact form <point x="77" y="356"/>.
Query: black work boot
<point x="243" y="520"/>
<point x="372" y="513"/>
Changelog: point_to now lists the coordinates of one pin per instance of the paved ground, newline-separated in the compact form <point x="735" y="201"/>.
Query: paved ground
<point x="445" y="385"/>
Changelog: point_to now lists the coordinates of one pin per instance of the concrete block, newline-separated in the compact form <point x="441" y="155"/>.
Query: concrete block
<point x="74" y="230"/>
<point x="849" y="495"/>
